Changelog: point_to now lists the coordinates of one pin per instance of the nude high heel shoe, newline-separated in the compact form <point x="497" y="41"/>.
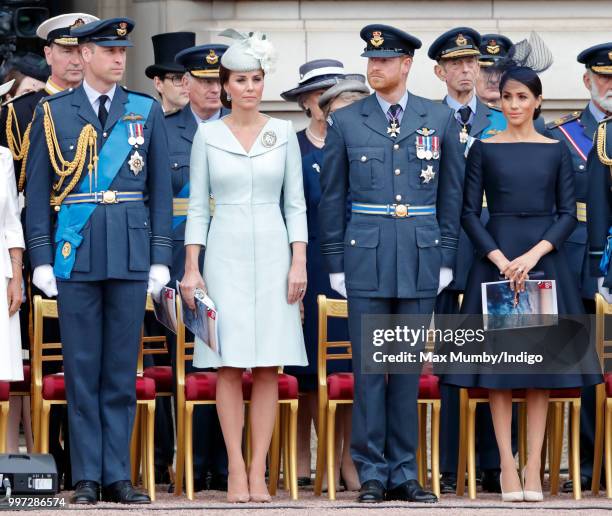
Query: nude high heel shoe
<point x="511" y="496"/>
<point x="531" y="496"/>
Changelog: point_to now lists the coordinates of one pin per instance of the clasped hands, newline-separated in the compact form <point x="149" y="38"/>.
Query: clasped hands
<point x="517" y="270"/>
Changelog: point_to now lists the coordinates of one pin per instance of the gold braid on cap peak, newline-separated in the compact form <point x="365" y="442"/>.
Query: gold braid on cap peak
<point x="87" y="140"/>
<point x="601" y="146"/>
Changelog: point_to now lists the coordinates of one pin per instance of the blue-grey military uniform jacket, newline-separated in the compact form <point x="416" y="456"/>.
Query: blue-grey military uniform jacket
<point x="181" y="127"/>
<point x="120" y="241"/>
<point x="380" y="255"/>
<point x="599" y="205"/>
<point x="484" y="125"/>
<point x="577" y="131"/>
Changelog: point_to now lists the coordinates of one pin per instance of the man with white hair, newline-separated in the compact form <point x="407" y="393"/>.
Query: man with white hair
<point x="577" y="130"/>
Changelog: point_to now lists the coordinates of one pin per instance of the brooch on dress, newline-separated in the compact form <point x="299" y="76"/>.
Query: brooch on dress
<point x="268" y="139"/>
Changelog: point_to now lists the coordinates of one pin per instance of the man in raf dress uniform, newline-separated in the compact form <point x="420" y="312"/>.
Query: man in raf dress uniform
<point x="456" y="53"/>
<point x="166" y="73"/>
<point x="396" y="153"/>
<point x="578" y="130"/>
<point x="202" y="84"/>
<point x="66" y="70"/>
<point x="98" y="155"/>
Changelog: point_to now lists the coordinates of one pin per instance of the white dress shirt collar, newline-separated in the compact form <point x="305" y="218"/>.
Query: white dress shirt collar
<point x="93" y="96"/>
<point x="199" y="120"/>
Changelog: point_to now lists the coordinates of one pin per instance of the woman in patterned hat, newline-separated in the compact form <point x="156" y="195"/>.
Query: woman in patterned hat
<point x="255" y="261"/>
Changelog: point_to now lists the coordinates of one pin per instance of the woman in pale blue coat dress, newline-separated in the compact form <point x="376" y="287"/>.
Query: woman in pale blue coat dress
<point x="255" y="261"/>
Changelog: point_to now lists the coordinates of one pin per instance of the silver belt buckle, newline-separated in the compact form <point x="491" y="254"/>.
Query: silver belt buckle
<point x="109" y="197"/>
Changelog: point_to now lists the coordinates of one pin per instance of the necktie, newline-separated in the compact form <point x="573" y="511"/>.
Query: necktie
<point x="394" y="112"/>
<point x="102" y="113"/>
<point x="465" y="113"/>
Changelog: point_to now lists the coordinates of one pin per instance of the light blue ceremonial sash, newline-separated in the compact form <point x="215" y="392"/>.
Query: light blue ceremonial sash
<point x="177" y="220"/>
<point x="497" y="123"/>
<point x="72" y="217"/>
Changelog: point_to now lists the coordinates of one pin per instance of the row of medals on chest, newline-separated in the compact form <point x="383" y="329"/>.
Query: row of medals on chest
<point x="427" y="147"/>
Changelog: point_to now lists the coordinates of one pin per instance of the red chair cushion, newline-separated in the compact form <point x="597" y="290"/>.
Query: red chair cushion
<point x="201" y="386"/>
<point x="481" y="392"/>
<point x="608" y="382"/>
<point x="24" y="385"/>
<point x="162" y="376"/>
<point x="145" y="388"/>
<point x="5" y="388"/>
<point x="429" y="387"/>
<point x="54" y="388"/>
<point x="287" y="386"/>
<point x="340" y="386"/>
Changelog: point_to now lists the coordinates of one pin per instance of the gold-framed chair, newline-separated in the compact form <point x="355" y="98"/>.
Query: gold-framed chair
<point x="48" y="390"/>
<point x="337" y="389"/>
<point x="199" y="388"/>
<point x="164" y="379"/>
<point x="4" y="414"/>
<point x="603" y="402"/>
<point x="469" y="398"/>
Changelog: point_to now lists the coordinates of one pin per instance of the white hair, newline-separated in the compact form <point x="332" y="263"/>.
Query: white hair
<point x="605" y="100"/>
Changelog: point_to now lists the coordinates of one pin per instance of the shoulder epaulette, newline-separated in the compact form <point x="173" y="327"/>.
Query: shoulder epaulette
<point x="171" y="112"/>
<point x="563" y="120"/>
<point x="138" y="93"/>
<point x="10" y="101"/>
<point x="57" y="95"/>
<point x="493" y="107"/>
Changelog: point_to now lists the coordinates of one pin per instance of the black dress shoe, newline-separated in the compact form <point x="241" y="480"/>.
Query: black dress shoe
<point x="411" y="491"/>
<point x="372" y="491"/>
<point x="85" y="492"/>
<point x="585" y="484"/>
<point x="123" y="492"/>
<point x="200" y="484"/>
<point x="490" y="481"/>
<point x="448" y="483"/>
<point x="217" y="482"/>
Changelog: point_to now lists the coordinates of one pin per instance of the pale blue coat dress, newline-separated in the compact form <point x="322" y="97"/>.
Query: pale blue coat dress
<point x="247" y="242"/>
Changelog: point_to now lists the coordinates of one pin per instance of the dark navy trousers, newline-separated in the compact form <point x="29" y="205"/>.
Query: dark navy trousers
<point x="385" y="427"/>
<point x="100" y="322"/>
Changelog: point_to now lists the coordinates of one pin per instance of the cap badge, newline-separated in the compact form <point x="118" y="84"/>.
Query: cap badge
<point x="610" y="55"/>
<point x="377" y="39"/>
<point x="212" y="58"/>
<point x="77" y="23"/>
<point x="493" y="47"/>
<point x="122" y="29"/>
<point x="461" y="41"/>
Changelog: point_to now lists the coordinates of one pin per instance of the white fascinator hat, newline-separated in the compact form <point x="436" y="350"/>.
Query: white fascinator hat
<point x="250" y="51"/>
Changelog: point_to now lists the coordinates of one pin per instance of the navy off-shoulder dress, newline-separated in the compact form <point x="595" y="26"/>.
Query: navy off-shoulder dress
<point x="529" y="189"/>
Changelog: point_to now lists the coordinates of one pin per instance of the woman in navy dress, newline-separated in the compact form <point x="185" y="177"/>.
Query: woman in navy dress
<point x="317" y="79"/>
<point x="528" y="182"/>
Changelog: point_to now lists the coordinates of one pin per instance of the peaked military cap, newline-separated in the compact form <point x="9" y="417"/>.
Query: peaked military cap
<point x="493" y="47"/>
<point x="203" y="60"/>
<point x="165" y="47"/>
<point x="57" y="29"/>
<point x="112" y="32"/>
<point x="598" y="58"/>
<point x="386" y="41"/>
<point x="457" y="42"/>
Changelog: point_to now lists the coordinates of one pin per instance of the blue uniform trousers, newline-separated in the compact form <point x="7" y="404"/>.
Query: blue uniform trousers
<point x="385" y="429"/>
<point x="100" y="322"/>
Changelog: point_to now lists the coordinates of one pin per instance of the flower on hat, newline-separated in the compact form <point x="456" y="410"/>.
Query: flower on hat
<point x="260" y="48"/>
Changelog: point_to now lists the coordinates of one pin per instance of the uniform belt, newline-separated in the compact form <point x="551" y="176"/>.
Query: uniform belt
<point x="179" y="206"/>
<point x="393" y="210"/>
<point x="104" y="197"/>
<point x="581" y="211"/>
